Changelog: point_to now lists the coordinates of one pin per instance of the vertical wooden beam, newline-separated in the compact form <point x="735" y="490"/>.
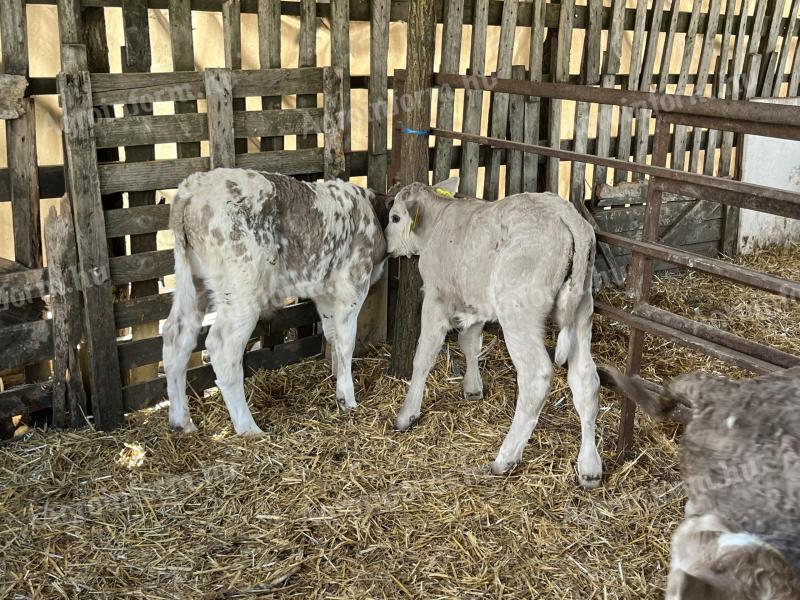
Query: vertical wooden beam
<point x="516" y="132"/>
<point x="590" y="75"/>
<point x="219" y="94"/>
<point x="679" y="152"/>
<point x="269" y="55"/>
<point x="308" y="58"/>
<point x="378" y="98"/>
<point x="73" y="52"/>
<point x="787" y="44"/>
<point x="533" y="104"/>
<point x="340" y="57"/>
<point x="333" y="122"/>
<point x="703" y="68"/>
<point x="232" y="33"/>
<point x="69" y="397"/>
<point x="180" y="29"/>
<point x="641" y="275"/>
<point x="473" y="99"/>
<point x="720" y="86"/>
<point x="451" y="55"/>
<point x="624" y="137"/>
<point x="560" y="75"/>
<point x="84" y="185"/>
<point x="499" y="119"/>
<point x="414" y="167"/>
<point x="645" y="83"/>
<point x="611" y="67"/>
<point x="137" y="58"/>
<point x="21" y="142"/>
<point x="768" y="44"/>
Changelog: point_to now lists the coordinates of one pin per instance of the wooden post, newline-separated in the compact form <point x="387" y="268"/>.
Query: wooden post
<point x="641" y="276"/>
<point x="84" y="185"/>
<point x="137" y="58"/>
<point x="219" y="92"/>
<point x="69" y="397"/>
<point x="473" y="99"/>
<point x="180" y="33"/>
<point x="232" y="32"/>
<point x="333" y="122"/>
<point x="308" y="58"/>
<point x="269" y="54"/>
<point x="560" y="75"/>
<point x="533" y="104"/>
<point x="340" y="57"/>
<point x="414" y="167"/>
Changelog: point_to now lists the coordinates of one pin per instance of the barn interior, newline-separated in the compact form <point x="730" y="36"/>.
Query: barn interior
<point x="672" y="125"/>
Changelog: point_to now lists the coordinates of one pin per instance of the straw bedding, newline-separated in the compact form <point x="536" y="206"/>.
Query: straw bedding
<point x="340" y="506"/>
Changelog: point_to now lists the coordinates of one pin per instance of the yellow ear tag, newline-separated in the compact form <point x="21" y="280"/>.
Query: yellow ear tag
<point x="445" y="193"/>
<point x="413" y="223"/>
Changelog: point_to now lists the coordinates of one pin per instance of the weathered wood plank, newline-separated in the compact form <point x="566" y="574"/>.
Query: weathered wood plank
<point x="290" y="162"/>
<point x="219" y="86"/>
<point x="645" y="84"/>
<point x="140" y="311"/>
<point x="560" y="75"/>
<point x="308" y="58"/>
<point x="516" y="132"/>
<point x="703" y="68"/>
<point x="232" y="38"/>
<point x="499" y="113"/>
<point x="768" y="44"/>
<point x="69" y="397"/>
<point x="25" y="344"/>
<point x="340" y="57"/>
<point x="21" y="138"/>
<point x="378" y="96"/>
<point x="635" y="71"/>
<point x="451" y="56"/>
<point x="334" y="153"/>
<point x="679" y="150"/>
<point x="143" y="266"/>
<point x="137" y="220"/>
<point x="590" y="72"/>
<point x="533" y="105"/>
<point x="84" y="183"/>
<point x="737" y="70"/>
<point x="613" y="58"/>
<point x="12" y="92"/>
<point x="269" y="55"/>
<point x="473" y="100"/>
<point x="180" y="26"/>
<point x="164" y="129"/>
<point x="25" y="399"/>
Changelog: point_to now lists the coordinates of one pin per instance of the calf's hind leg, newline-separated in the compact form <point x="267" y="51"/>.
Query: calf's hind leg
<point x="180" y="338"/>
<point x="528" y="353"/>
<point x="585" y="384"/>
<point x="226" y="345"/>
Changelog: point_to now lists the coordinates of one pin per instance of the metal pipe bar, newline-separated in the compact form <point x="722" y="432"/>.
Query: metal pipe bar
<point x="717" y="336"/>
<point x="728" y="355"/>
<point x="725" y="124"/>
<point x="712" y="266"/>
<point x="763" y="199"/>
<point x="780" y="116"/>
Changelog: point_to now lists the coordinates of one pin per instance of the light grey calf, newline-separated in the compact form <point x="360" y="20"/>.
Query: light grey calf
<point x="740" y="462"/>
<point x="515" y="261"/>
<point x="253" y="239"/>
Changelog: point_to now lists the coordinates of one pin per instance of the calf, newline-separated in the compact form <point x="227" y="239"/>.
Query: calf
<point x="740" y="461"/>
<point x="253" y="239"/>
<point x="514" y="261"/>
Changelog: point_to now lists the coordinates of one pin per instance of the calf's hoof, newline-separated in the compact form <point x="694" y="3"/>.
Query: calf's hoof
<point x="346" y="405"/>
<point x="404" y="423"/>
<point x="472" y="396"/>
<point x="503" y="467"/>
<point x="250" y="431"/>
<point x="590" y="482"/>
<point x="184" y="429"/>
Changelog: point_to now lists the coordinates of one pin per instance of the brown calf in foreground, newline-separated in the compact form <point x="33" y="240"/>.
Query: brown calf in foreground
<point x="740" y="462"/>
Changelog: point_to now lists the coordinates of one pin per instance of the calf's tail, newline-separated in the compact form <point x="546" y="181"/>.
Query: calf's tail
<point x="576" y="285"/>
<point x="185" y="298"/>
<point x="671" y="403"/>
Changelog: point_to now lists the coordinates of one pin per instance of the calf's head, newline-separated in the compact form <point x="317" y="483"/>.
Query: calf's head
<point x="410" y="218"/>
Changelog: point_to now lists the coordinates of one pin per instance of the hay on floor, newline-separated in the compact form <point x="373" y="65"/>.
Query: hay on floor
<point x="339" y="505"/>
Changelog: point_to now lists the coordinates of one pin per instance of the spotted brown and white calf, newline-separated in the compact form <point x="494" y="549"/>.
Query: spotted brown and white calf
<point x="251" y="239"/>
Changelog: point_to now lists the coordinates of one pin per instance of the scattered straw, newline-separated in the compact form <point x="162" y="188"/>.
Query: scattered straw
<point x="339" y="505"/>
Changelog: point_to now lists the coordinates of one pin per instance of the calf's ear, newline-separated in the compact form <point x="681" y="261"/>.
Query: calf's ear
<point x="414" y="209"/>
<point x="448" y="185"/>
